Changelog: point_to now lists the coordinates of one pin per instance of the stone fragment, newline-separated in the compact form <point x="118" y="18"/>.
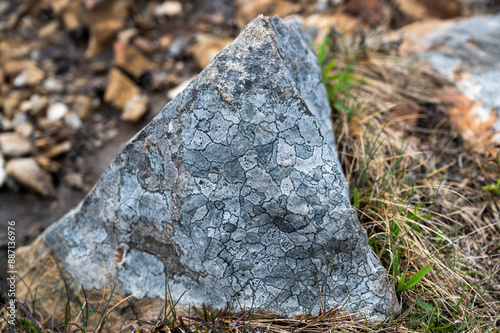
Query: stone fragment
<point x="71" y="18"/>
<point x="3" y="174"/>
<point x="168" y="8"/>
<point x="73" y="120"/>
<point x="11" y="103"/>
<point x="83" y="106"/>
<point x="466" y="52"/>
<point x="175" y="91"/>
<point x="130" y="59"/>
<point x="206" y="48"/>
<point x="27" y="172"/>
<point x="53" y="85"/>
<point x="247" y="10"/>
<point x="135" y="108"/>
<point x="57" y="111"/>
<point x="74" y="180"/>
<point x="105" y="19"/>
<point x="120" y="89"/>
<point x="30" y="76"/>
<point x="14" y="145"/>
<point x="232" y="193"/>
<point x="25" y="129"/>
<point x="322" y="24"/>
<point x="39" y="104"/>
<point x="58" y="149"/>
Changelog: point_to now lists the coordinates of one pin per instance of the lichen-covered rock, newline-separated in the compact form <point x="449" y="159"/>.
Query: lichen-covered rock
<point x="233" y="192"/>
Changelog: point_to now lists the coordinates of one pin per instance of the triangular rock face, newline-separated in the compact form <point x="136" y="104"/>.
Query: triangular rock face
<point x="235" y="191"/>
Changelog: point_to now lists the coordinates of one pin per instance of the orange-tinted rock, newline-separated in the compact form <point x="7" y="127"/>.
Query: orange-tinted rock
<point x="467" y="53"/>
<point x="472" y="120"/>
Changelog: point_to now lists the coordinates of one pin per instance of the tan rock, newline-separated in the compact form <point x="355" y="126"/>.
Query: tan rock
<point x="30" y="76"/>
<point x="48" y="164"/>
<point x="39" y="104"/>
<point x="135" y="108"/>
<point x="120" y="89"/>
<point x="25" y="129"/>
<point x="173" y="92"/>
<point x="168" y="8"/>
<point x="27" y="172"/>
<point x="70" y="17"/>
<point x="105" y="19"/>
<point x="145" y="45"/>
<point x="165" y="41"/>
<point x="58" y="149"/>
<point x="74" y="180"/>
<point x="14" y="145"/>
<point x="83" y="106"/>
<point x="130" y="59"/>
<point x="10" y="104"/>
<point x="13" y="67"/>
<point x="49" y="30"/>
<point x="207" y="47"/>
<point x="342" y="22"/>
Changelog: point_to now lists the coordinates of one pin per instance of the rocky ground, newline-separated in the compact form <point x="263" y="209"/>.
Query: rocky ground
<point x="80" y="78"/>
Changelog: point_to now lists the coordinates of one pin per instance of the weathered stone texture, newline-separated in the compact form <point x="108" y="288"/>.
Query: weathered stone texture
<point x="235" y="191"/>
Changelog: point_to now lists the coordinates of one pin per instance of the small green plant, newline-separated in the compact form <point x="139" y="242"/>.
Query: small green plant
<point x="407" y="285"/>
<point x="493" y="188"/>
<point x="339" y="82"/>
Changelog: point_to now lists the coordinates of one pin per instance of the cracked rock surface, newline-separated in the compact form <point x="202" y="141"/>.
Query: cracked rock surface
<point x="233" y="192"/>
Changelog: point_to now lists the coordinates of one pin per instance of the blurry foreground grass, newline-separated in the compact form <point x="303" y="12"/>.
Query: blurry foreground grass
<point x="427" y="200"/>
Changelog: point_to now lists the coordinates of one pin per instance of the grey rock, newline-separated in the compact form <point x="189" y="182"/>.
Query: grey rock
<point x="468" y="53"/>
<point x="233" y="193"/>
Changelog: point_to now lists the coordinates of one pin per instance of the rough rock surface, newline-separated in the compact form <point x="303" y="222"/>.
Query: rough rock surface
<point x="233" y="192"/>
<point x="467" y="52"/>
